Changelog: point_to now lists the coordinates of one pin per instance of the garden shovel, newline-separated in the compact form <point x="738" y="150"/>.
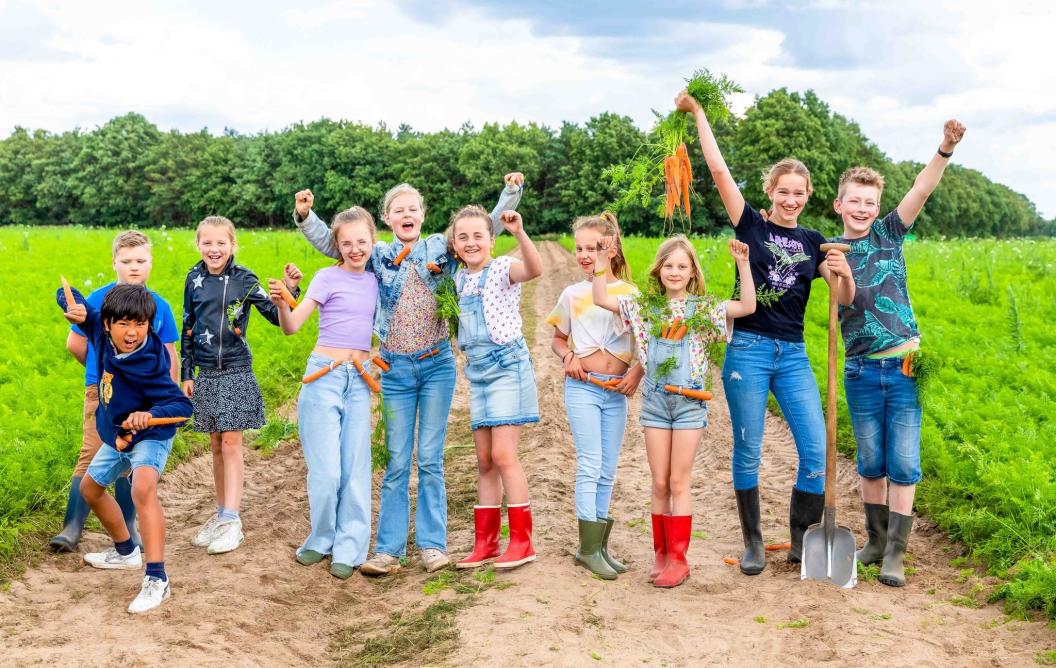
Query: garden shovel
<point x="828" y="549"/>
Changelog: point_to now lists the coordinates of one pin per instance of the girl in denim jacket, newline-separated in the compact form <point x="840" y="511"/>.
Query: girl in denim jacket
<point x="420" y="384"/>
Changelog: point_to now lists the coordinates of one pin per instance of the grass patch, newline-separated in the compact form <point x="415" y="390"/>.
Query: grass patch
<point x="1045" y="658"/>
<point x="794" y="624"/>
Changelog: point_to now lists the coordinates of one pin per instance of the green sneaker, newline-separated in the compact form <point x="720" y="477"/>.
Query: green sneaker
<point x="309" y="557"/>
<point x="341" y="571"/>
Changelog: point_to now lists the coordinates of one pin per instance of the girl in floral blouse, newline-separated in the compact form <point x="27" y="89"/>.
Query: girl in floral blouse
<point x="672" y="325"/>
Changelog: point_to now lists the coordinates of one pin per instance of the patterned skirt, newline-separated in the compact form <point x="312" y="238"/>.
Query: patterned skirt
<point x="227" y="400"/>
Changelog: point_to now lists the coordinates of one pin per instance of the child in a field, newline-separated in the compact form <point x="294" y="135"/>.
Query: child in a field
<point x="216" y="299"/>
<point x="135" y="386"/>
<point x="420" y="383"/>
<point x="132" y="262"/>
<point x="333" y="411"/>
<point x="598" y="354"/>
<point x="879" y="330"/>
<point x="767" y="353"/>
<point x="502" y="392"/>
<point x="672" y="328"/>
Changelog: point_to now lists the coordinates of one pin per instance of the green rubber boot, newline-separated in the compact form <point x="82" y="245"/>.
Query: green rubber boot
<point x="893" y="570"/>
<point x="591" y="536"/>
<point x="611" y="560"/>
<point x="876" y="519"/>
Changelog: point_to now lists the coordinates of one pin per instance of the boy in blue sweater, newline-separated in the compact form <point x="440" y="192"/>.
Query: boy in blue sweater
<point x="134" y="386"/>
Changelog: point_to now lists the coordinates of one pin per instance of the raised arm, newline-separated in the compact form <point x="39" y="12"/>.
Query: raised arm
<point x="290" y="321"/>
<point x="738" y="308"/>
<point x="531" y="265"/>
<point x="509" y="198"/>
<point x="728" y="190"/>
<point x="311" y="226"/>
<point x="599" y="286"/>
<point x="925" y="183"/>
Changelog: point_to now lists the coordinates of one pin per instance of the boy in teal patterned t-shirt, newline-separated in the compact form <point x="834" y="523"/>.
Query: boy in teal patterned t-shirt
<point x="879" y="330"/>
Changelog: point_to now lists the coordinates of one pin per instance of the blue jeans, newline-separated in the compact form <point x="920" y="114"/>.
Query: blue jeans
<point x="415" y="390"/>
<point x="885" y="415"/>
<point x="756" y="365"/>
<point x="109" y="464"/>
<point x="597" y="418"/>
<point x="333" y="415"/>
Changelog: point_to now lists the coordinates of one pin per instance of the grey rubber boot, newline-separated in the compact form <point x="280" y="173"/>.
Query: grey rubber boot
<point x="893" y="570"/>
<point x="77" y="511"/>
<point x="876" y="519"/>
<point x="612" y="561"/>
<point x="753" y="561"/>
<point x="804" y="510"/>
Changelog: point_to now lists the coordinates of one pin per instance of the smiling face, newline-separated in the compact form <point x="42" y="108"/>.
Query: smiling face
<point x="216" y="245"/>
<point x="858" y="207"/>
<point x="405" y="215"/>
<point x="789" y="196"/>
<point x="354" y="242"/>
<point x="473" y="241"/>
<point x="675" y="273"/>
<point x="133" y="264"/>
<point x="587" y="239"/>
<point x="128" y="334"/>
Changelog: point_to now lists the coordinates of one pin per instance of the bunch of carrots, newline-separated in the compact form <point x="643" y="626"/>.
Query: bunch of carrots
<point x="678" y="179"/>
<point x="675" y="331"/>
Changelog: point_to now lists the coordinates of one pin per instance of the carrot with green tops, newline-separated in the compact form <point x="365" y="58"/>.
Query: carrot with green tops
<point x="367" y="378"/>
<point x="699" y="395"/>
<point x="673" y="328"/>
<point x="400" y="256"/>
<point x="67" y="292"/>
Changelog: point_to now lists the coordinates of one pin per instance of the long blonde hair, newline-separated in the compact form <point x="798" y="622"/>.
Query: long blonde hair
<point x="356" y="214"/>
<point x="607" y="225"/>
<point x="695" y="286"/>
<point x="786" y="166"/>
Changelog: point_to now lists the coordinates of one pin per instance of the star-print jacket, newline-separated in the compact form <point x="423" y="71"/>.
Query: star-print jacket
<point x="216" y="314"/>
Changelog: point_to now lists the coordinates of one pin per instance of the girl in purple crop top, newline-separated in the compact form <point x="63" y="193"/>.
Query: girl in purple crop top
<point x="333" y="409"/>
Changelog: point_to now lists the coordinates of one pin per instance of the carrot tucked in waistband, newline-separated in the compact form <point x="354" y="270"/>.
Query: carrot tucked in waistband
<point x="605" y="384"/>
<point x="380" y="363"/>
<point x="367" y="378"/>
<point x="431" y="353"/>
<point x="699" y="395"/>
<point x="316" y="375"/>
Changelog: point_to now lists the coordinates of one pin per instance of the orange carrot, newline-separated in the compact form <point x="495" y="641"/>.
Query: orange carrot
<point x="907" y="365"/>
<point x="433" y="268"/>
<point x="188" y="332"/>
<point x="685" y="176"/>
<point x="673" y="328"/>
<point x="774" y="547"/>
<point x="603" y="384"/>
<point x="700" y="395"/>
<point x="730" y="561"/>
<point x="316" y="375"/>
<point x="380" y="363"/>
<point x="121" y="442"/>
<point x="367" y="378"/>
<point x="680" y="333"/>
<point x="671" y="184"/>
<point x="238" y="331"/>
<point x="434" y="351"/>
<point x="67" y="292"/>
<point x="402" y="254"/>
<point x="286" y="294"/>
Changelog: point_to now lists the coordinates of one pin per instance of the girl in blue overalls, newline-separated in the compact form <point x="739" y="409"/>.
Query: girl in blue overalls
<point x="672" y="324"/>
<point x="502" y="393"/>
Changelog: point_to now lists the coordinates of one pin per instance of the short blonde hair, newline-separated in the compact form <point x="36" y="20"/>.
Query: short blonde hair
<point x="695" y="286"/>
<point x="606" y="224"/>
<point x="863" y="176"/>
<point x="216" y="221"/>
<point x="356" y="214"/>
<point x="786" y="166"/>
<point x="130" y="239"/>
<point x="396" y="191"/>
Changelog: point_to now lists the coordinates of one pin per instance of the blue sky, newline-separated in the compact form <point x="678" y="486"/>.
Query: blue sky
<point x="898" y="68"/>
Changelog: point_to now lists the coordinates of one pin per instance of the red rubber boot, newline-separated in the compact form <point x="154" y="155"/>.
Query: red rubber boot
<point x="486" y="520"/>
<point x="520" y="550"/>
<point x="659" y="547"/>
<point x="678" y="528"/>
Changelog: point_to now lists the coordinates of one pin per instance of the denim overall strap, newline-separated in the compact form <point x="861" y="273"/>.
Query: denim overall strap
<point x="660" y="349"/>
<point x="472" y="329"/>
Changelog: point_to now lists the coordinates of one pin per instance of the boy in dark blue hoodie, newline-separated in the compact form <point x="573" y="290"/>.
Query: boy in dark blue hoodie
<point x="134" y="386"/>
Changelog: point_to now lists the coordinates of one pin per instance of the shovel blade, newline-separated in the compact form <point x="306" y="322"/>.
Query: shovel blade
<point x="829" y="558"/>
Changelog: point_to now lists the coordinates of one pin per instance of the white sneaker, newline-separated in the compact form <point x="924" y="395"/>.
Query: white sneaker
<point x="151" y="595"/>
<point x="380" y="564"/>
<point x="207" y="532"/>
<point x="433" y="559"/>
<point x="112" y="559"/>
<point x="227" y="537"/>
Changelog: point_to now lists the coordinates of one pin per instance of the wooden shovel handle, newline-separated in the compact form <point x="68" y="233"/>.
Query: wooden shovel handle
<point x="830" y="399"/>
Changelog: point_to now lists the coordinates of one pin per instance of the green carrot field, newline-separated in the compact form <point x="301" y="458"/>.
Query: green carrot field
<point x="988" y="309"/>
<point x="42" y="386"/>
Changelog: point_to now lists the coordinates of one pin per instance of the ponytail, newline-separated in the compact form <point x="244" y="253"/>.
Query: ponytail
<point x="607" y="225"/>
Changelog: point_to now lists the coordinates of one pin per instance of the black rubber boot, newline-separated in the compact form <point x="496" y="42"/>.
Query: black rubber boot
<point x="612" y="561"/>
<point x="893" y="570"/>
<point x="77" y="511"/>
<point x="123" y="494"/>
<point x="876" y="519"/>
<point x="589" y="554"/>
<point x="804" y="510"/>
<point x="753" y="561"/>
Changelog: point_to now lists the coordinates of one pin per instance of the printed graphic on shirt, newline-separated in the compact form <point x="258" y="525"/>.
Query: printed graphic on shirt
<point x="106" y="388"/>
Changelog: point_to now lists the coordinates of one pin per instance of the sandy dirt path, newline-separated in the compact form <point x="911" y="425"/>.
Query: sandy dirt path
<point x="256" y="606"/>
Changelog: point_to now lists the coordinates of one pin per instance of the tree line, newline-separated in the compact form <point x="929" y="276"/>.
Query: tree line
<point x="129" y="173"/>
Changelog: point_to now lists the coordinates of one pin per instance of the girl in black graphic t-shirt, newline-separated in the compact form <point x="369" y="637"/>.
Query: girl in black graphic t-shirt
<point x="766" y="353"/>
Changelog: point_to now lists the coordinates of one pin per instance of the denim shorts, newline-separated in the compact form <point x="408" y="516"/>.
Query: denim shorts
<point x="886" y="416"/>
<point x="108" y="464"/>
<point x="664" y="410"/>
<point x="501" y="386"/>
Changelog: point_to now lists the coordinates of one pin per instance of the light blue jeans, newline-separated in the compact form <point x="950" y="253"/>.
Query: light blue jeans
<point x="597" y="418"/>
<point x="755" y="366"/>
<point x="415" y="390"/>
<point x="885" y="415"/>
<point x="333" y="416"/>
